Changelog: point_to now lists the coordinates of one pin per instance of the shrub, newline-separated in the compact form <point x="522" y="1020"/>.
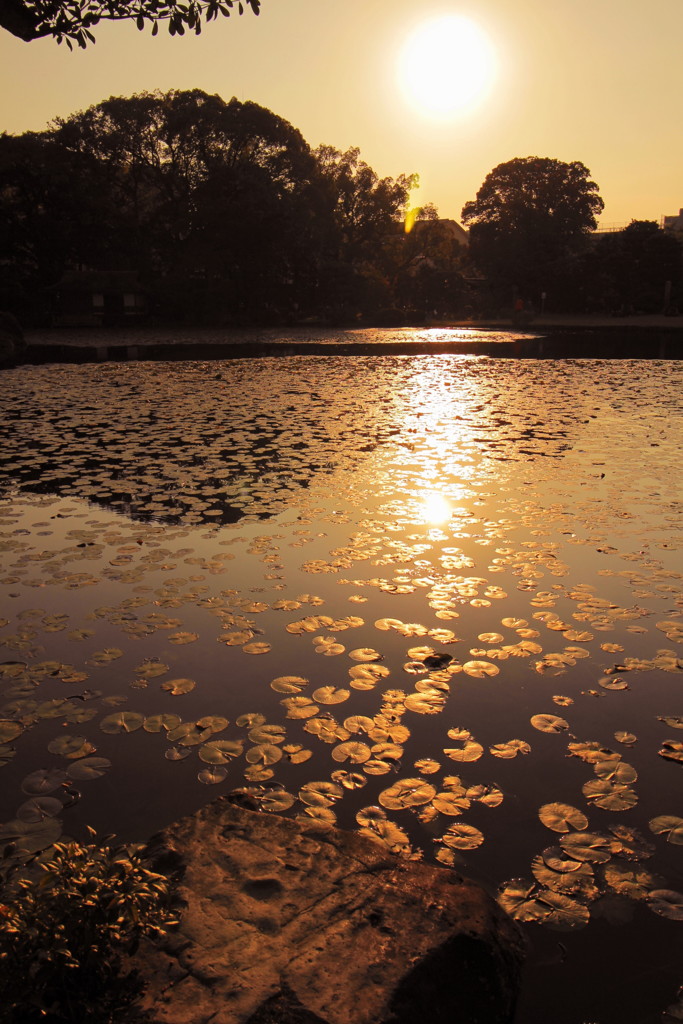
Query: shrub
<point x="66" y="921"/>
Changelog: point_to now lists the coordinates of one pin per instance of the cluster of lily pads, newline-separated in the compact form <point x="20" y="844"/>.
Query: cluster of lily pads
<point x="403" y="698"/>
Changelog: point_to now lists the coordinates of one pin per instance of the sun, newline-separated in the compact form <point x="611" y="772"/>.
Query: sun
<point x="447" y="66"/>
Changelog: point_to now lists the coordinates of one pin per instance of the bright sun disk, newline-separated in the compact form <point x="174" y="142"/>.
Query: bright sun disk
<point x="447" y="66"/>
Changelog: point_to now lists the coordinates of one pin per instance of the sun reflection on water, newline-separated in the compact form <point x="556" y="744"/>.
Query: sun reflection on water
<point x="435" y="509"/>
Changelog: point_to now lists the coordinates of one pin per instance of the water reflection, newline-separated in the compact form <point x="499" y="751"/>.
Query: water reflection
<point x="462" y="606"/>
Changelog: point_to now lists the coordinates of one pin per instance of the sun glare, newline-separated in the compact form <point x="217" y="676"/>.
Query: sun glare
<point x="436" y="509"/>
<point x="446" y="67"/>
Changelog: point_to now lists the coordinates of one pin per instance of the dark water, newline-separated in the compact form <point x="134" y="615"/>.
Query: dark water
<point x="379" y="571"/>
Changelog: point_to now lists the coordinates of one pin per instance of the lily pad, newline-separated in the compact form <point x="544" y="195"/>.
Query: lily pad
<point x="122" y="721"/>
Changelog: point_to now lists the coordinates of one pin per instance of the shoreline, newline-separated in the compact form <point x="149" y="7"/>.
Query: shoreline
<point x="556" y="337"/>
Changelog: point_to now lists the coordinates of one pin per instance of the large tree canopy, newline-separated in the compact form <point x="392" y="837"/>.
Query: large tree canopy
<point x="221" y="209"/>
<point x="531" y="214"/>
<point x="72" y="20"/>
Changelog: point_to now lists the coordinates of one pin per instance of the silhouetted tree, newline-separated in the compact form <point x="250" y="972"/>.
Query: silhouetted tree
<point x="627" y="271"/>
<point x="531" y="215"/>
<point x="220" y="199"/>
<point x="46" y="222"/>
<point x="71" y="20"/>
<point x="365" y="210"/>
<point x="221" y="209"/>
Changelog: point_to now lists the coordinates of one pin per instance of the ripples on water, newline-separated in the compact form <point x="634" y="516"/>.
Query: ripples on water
<point x="380" y="572"/>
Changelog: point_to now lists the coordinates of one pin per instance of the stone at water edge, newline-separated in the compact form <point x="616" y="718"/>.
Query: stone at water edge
<point x="288" y="923"/>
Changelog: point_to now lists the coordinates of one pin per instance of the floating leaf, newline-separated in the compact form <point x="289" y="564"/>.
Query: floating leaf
<point x="614" y="683"/>
<point x="188" y="734"/>
<point x="615" y="771"/>
<point x="549" y="723"/>
<point x="183" y="638"/>
<point x="40" y="807"/>
<point x="276" y="801"/>
<point x="349" y="780"/>
<point x="480" y="669"/>
<point x="211" y="776"/>
<point x="122" y="721"/>
<point x="88" y="768"/>
<point x="220" y="751"/>
<point x="661" y="825"/>
<point x="258" y="647"/>
<point x="425" y="703"/>
<point x="407" y="793"/>
<point x="178" y="686"/>
<point x="376" y="767"/>
<point x="490" y="796"/>
<point x="296" y="753"/>
<point x="264" y="754"/>
<point x="666" y="903"/>
<point x="157" y="723"/>
<point x="45" y="780"/>
<point x="267" y="733"/>
<point x="586" y="846"/>
<point x="426" y="766"/>
<point x="176" y="754"/>
<point x="288" y="684"/>
<point x="365" y="654"/>
<point x="627" y="738"/>
<point x="557" y="860"/>
<point x="672" y="750"/>
<point x="29" y="837"/>
<point x="629" y="843"/>
<point x="591" y="752"/>
<point x="673" y="721"/>
<point x="510" y="749"/>
<point x="320" y="794"/>
<point x="451" y="803"/>
<point x="10" y="730"/>
<point x="518" y="898"/>
<point x="357" y="753"/>
<point x="609" y="795"/>
<point x="462" y="837"/>
<point x="299" y="707"/>
<point x="71" y="746"/>
<point x="562" y="817"/>
<point x="251" y="719"/>
<point x="634" y="882"/>
<point x="330" y="695"/>
<point x="151" y="669"/>
<point x="565" y="913"/>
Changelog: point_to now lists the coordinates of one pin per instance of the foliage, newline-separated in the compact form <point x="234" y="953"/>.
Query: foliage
<point x="71" y="20"/>
<point x="627" y="271"/>
<point x="64" y="927"/>
<point x="220" y="208"/>
<point x="531" y="215"/>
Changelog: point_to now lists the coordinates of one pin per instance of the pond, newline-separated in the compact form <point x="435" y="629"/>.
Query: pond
<point x="435" y="598"/>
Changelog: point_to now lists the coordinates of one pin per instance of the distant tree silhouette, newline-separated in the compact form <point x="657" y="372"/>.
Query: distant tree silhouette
<point x="220" y="208"/>
<point x="72" y="20"/>
<point x="628" y="270"/>
<point x="531" y="215"/>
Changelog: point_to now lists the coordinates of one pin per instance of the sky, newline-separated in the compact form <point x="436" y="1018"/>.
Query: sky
<point x="597" y="81"/>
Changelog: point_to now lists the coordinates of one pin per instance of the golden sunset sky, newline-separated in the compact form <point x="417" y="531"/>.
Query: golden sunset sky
<point x="592" y="80"/>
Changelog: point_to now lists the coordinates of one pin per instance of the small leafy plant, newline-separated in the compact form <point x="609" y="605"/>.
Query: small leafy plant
<point x="66" y="921"/>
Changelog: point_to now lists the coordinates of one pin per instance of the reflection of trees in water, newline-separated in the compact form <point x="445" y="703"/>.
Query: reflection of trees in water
<point x="190" y="443"/>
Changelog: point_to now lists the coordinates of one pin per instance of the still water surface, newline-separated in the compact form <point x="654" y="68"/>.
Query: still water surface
<point x="437" y="598"/>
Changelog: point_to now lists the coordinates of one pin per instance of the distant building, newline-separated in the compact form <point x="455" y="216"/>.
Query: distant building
<point x="673" y="223"/>
<point x="448" y="228"/>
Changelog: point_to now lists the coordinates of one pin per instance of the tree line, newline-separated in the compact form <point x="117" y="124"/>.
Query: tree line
<point x="225" y="214"/>
<point x="221" y="208"/>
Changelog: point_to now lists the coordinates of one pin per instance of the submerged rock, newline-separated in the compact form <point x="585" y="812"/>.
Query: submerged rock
<point x="288" y="922"/>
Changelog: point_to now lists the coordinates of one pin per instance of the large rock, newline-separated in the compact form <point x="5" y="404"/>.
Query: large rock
<point x="289" y="923"/>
